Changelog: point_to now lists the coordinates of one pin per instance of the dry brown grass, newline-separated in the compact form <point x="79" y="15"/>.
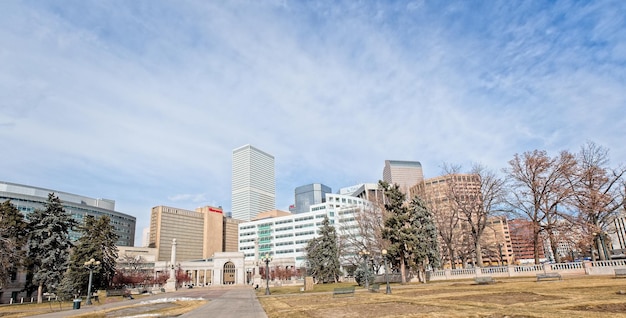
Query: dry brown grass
<point x="27" y="310"/>
<point x="169" y="309"/>
<point x="571" y="297"/>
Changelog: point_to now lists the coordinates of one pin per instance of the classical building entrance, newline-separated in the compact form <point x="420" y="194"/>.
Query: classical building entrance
<point x="229" y="273"/>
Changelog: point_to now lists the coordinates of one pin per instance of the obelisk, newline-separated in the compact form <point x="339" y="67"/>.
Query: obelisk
<point x="170" y="285"/>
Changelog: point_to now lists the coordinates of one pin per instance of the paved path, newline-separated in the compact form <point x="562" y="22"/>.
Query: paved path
<point x="233" y="301"/>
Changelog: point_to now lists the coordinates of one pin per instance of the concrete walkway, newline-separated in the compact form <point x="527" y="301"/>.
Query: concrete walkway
<point x="232" y="301"/>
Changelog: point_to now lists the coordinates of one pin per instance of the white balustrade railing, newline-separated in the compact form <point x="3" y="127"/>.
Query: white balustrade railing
<point x="613" y="263"/>
<point x="495" y="270"/>
<point x="567" y="266"/>
<point x="462" y="271"/>
<point x="578" y="268"/>
<point x="528" y="268"/>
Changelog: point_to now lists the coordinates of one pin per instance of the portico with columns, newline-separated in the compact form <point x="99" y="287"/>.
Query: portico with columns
<point x="224" y="268"/>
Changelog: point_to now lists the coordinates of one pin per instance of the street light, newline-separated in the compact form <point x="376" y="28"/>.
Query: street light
<point x="365" y="254"/>
<point x="388" y="290"/>
<point x="267" y="259"/>
<point x="91" y="265"/>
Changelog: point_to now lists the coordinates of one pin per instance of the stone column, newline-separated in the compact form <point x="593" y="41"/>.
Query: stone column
<point x="256" y="278"/>
<point x="170" y="285"/>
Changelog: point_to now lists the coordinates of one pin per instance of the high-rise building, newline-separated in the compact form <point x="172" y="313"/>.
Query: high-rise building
<point x="522" y="242"/>
<point x="253" y="183"/>
<point x="283" y="235"/>
<point x="27" y="199"/>
<point x="199" y="233"/>
<point x="231" y="235"/>
<point x="403" y="173"/>
<point x="437" y="192"/>
<point x="308" y="195"/>
<point x="618" y="237"/>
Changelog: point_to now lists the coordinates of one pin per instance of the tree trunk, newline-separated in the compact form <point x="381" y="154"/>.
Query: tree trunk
<point x="452" y="258"/>
<point x="600" y="248"/>
<point x="402" y="271"/>
<point x="479" y="254"/>
<point x="536" y="245"/>
<point x="40" y="293"/>
<point x="554" y="247"/>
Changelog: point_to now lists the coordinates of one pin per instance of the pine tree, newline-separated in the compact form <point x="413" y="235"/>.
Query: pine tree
<point x="397" y="228"/>
<point x="97" y="241"/>
<point x="426" y="252"/>
<point x="49" y="245"/>
<point x="410" y="230"/>
<point x="12" y="240"/>
<point x="323" y="255"/>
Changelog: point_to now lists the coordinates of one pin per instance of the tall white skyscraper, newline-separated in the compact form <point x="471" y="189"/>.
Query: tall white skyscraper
<point x="253" y="183"/>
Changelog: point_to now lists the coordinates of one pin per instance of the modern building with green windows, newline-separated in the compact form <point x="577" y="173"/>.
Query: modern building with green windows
<point x="286" y="236"/>
<point x="28" y="198"/>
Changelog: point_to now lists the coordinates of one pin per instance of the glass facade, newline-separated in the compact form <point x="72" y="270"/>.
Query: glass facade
<point x="308" y="195"/>
<point x="27" y="199"/>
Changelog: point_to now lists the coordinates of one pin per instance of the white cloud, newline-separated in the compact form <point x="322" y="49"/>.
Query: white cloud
<point x="144" y="103"/>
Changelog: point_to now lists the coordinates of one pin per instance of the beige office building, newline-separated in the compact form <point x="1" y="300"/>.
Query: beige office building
<point x="405" y="174"/>
<point x="495" y="241"/>
<point x="199" y="233"/>
<point x="231" y="235"/>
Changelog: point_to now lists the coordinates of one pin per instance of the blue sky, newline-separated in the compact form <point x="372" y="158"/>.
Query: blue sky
<point x="143" y="102"/>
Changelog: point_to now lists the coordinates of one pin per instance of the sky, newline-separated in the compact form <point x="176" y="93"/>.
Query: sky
<point x="143" y="101"/>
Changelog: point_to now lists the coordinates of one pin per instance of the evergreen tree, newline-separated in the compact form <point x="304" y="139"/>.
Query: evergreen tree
<point x="410" y="230"/>
<point x="12" y="240"/>
<point x="426" y="252"/>
<point x="97" y="241"/>
<point x="397" y="228"/>
<point x="49" y="245"/>
<point x="322" y="255"/>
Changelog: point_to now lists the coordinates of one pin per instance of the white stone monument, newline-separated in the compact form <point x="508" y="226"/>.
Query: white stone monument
<point x="256" y="279"/>
<point x="170" y="285"/>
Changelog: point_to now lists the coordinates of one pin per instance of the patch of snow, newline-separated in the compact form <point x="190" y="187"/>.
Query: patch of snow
<point x="169" y="300"/>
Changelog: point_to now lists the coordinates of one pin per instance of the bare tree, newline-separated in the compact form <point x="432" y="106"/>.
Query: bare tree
<point x="539" y="185"/>
<point x="448" y="227"/>
<point x="598" y="192"/>
<point x="477" y="197"/>
<point x="363" y="231"/>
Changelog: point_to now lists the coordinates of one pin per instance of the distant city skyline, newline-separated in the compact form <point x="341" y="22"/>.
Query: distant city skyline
<point x="144" y="102"/>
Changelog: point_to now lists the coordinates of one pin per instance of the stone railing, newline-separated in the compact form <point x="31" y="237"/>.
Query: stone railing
<point x="578" y="268"/>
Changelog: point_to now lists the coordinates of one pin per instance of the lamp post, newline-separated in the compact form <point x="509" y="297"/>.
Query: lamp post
<point x="365" y="254"/>
<point x="91" y="265"/>
<point x="388" y="290"/>
<point x="267" y="259"/>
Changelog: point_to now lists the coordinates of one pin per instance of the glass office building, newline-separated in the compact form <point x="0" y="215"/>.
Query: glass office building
<point x="28" y="198"/>
<point x="308" y="195"/>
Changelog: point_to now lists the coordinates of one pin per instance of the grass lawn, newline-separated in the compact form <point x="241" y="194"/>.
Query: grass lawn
<point x="579" y="296"/>
<point x="165" y="309"/>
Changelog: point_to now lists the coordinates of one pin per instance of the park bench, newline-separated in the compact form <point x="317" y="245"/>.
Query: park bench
<point x="620" y="272"/>
<point x="125" y="293"/>
<point x="549" y="276"/>
<point x="374" y="288"/>
<point x="344" y="291"/>
<point x="484" y="280"/>
<point x="115" y="292"/>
